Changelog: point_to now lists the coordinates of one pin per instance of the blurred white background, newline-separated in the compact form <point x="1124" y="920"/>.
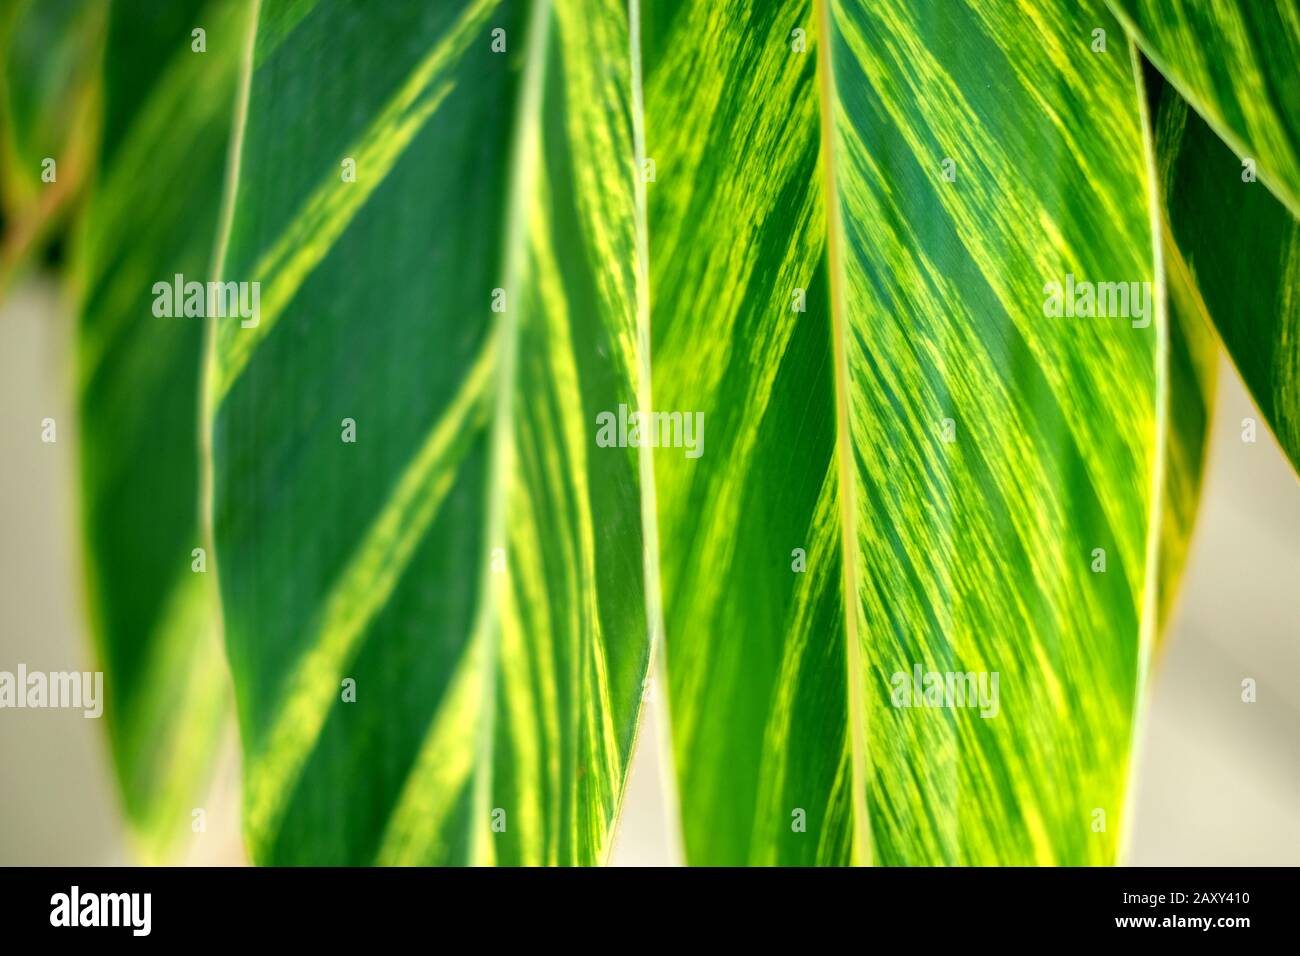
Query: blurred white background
<point x="1218" y="780"/>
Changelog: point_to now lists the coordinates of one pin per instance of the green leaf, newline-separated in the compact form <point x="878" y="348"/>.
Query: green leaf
<point x="1193" y="373"/>
<point x="49" y="54"/>
<point x="1235" y="62"/>
<point x="1237" y="248"/>
<point x="154" y="214"/>
<point x="925" y="303"/>
<point x="471" y="566"/>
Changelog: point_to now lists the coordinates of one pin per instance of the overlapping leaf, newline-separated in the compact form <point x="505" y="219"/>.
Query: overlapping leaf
<point x="153" y="216"/>
<point x="1193" y="357"/>
<point x="439" y="585"/>
<point x="1193" y="372"/>
<point x="948" y="457"/>
<point x="470" y="567"/>
<point x="1235" y="62"/>
<point x="1233" y="218"/>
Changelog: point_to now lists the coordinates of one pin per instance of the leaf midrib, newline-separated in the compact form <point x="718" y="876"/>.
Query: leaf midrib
<point x="854" y="667"/>
<point x="523" y="162"/>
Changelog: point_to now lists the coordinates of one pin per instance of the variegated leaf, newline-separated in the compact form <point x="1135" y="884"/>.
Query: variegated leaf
<point x="1233" y="208"/>
<point x="431" y="572"/>
<point x="926" y="468"/>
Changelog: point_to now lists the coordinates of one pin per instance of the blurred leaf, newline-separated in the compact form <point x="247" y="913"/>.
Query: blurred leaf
<point x="154" y="214"/>
<point x="473" y="561"/>
<point x="145" y="39"/>
<point x="49" y="90"/>
<point x="925" y="310"/>
<point x="1193" y="373"/>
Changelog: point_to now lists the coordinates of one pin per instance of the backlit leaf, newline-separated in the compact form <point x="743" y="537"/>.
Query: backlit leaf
<point x="951" y="458"/>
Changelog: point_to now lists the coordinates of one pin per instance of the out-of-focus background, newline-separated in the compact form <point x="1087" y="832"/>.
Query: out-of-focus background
<point x="1218" y="780"/>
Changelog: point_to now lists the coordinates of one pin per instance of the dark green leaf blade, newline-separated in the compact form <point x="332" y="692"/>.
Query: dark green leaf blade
<point x="473" y="560"/>
<point x="1237" y="249"/>
<point x="153" y="604"/>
